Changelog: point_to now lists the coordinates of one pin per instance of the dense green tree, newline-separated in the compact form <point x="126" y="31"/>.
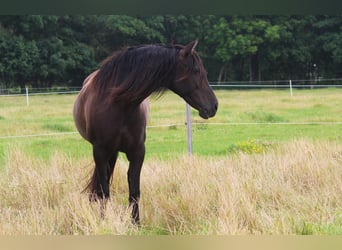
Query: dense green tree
<point x="292" y="56"/>
<point x="235" y="42"/>
<point x="42" y="50"/>
<point x="328" y="52"/>
<point x="18" y="58"/>
<point x="46" y="50"/>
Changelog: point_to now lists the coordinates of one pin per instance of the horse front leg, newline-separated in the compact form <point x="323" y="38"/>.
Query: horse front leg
<point x="136" y="159"/>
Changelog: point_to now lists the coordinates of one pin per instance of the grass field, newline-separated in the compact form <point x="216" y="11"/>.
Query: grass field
<point x="268" y="163"/>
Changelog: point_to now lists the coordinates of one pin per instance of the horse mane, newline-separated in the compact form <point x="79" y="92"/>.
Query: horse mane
<point x="133" y="73"/>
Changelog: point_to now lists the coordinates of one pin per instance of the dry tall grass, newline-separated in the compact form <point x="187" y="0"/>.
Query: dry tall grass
<point x="294" y="188"/>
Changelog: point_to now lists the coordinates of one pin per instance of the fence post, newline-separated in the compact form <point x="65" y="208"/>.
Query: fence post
<point x="291" y="88"/>
<point x="189" y="128"/>
<point x="27" y="97"/>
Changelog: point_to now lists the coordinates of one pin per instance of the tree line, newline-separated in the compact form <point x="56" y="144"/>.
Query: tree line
<point x="47" y="50"/>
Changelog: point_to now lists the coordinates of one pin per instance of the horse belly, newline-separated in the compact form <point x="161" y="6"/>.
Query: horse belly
<point x="84" y="114"/>
<point x="79" y="118"/>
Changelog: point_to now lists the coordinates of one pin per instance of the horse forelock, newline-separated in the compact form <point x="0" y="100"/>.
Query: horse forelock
<point x="135" y="72"/>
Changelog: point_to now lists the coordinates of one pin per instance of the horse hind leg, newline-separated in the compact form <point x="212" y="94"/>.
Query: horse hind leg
<point x="100" y="180"/>
<point x="111" y="166"/>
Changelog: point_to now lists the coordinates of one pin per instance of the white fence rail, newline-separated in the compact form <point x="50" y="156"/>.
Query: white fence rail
<point x="291" y="84"/>
<point x="275" y="84"/>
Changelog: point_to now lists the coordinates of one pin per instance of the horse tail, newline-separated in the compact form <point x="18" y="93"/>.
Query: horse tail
<point x="89" y="187"/>
<point x="92" y="188"/>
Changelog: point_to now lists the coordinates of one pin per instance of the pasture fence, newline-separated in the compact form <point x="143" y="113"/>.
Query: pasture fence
<point x="236" y="85"/>
<point x="230" y="85"/>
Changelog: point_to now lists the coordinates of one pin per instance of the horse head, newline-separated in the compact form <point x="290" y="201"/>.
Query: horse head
<point x="191" y="82"/>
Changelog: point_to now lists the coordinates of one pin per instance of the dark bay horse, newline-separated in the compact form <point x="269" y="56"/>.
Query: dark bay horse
<point x="110" y="111"/>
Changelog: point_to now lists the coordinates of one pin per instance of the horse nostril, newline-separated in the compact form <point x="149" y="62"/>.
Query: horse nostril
<point x="216" y="106"/>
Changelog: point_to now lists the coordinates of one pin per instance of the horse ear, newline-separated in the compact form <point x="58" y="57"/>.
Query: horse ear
<point x="188" y="49"/>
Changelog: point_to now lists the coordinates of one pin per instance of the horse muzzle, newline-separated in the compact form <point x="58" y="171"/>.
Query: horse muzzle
<point x="208" y="112"/>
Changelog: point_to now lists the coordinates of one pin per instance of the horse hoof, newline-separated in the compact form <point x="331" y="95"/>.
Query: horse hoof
<point x="135" y="222"/>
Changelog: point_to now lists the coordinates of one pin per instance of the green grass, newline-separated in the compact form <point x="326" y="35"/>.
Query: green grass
<point x="257" y="170"/>
<point x="269" y="107"/>
<point x="53" y="114"/>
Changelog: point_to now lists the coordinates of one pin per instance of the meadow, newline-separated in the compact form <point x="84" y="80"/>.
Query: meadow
<point x="268" y="163"/>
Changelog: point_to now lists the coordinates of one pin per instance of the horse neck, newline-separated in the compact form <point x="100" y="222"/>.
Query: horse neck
<point x="137" y="87"/>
